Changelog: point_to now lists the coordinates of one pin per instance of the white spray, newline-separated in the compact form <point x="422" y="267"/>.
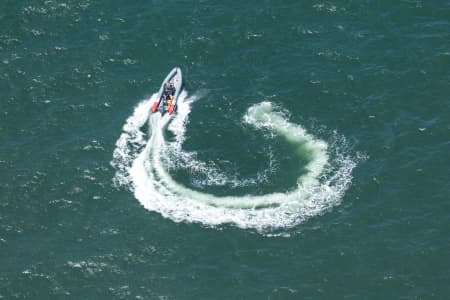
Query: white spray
<point x="143" y="165"/>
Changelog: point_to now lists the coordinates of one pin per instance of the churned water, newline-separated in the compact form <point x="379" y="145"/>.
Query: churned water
<point x="308" y="158"/>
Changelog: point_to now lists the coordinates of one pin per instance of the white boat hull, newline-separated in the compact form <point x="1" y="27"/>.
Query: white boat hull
<point x="169" y="92"/>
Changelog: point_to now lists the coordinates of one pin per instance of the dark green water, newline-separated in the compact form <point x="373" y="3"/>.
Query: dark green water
<point x="369" y="79"/>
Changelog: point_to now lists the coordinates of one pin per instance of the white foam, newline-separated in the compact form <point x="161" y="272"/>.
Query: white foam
<point x="130" y="141"/>
<point x="144" y="164"/>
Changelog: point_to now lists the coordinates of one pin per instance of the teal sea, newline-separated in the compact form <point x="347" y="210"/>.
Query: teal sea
<point x="308" y="157"/>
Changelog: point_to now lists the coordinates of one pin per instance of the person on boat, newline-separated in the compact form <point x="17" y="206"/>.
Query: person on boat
<point x="167" y="90"/>
<point x="169" y="100"/>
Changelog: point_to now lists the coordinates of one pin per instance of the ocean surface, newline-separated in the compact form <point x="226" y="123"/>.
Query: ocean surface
<point x="309" y="157"/>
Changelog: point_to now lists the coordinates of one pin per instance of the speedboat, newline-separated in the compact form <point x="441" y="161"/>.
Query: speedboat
<point x="168" y="93"/>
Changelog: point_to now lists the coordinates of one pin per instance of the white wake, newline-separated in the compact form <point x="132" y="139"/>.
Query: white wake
<point x="143" y="159"/>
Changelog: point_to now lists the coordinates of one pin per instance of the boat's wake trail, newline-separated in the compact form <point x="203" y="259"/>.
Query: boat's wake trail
<point x="143" y="160"/>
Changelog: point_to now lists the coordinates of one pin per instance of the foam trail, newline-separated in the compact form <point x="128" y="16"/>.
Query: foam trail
<point x="130" y="141"/>
<point x="144" y="166"/>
